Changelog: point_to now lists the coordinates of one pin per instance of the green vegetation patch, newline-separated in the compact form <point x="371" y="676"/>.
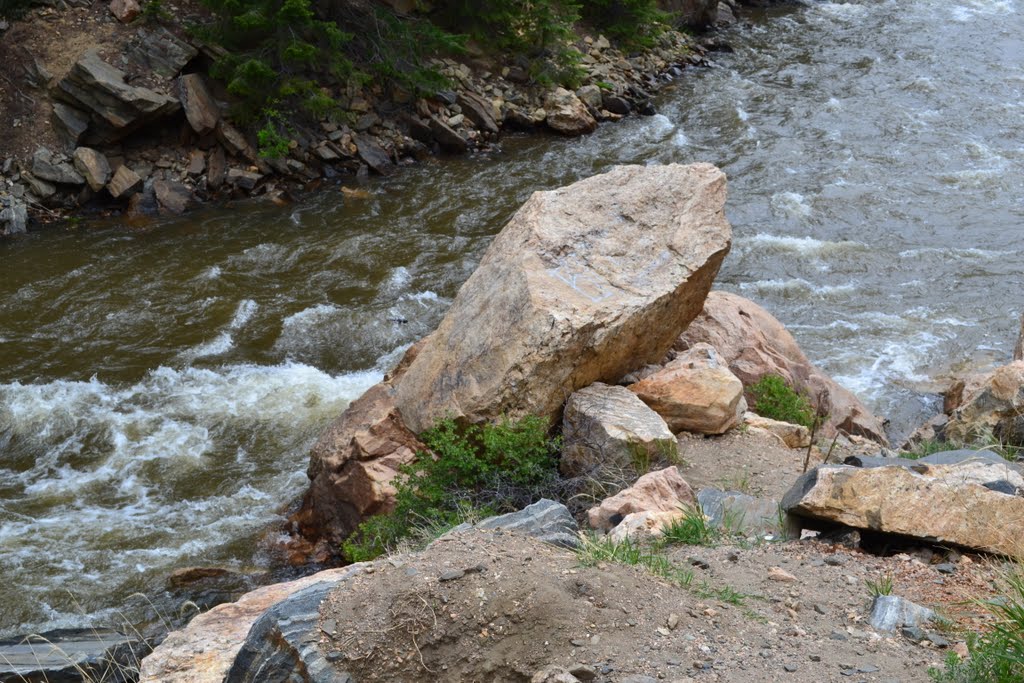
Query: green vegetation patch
<point x="775" y="399"/>
<point x="473" y="472"/>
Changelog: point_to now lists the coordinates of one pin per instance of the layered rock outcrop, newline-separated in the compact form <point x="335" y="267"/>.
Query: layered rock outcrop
<point x="584" y="284"/>
<point x="990" y="407"/>
<point x="755" y="344"/>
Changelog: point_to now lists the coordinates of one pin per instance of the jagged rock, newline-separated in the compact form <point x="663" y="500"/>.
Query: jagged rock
<point x="222" y="644"/>
<point x="245" y="180"/>
<point x="36" y="73"/>
<point x="793" y="436"/>
<point x="725" y="15"/>
<point x="661" y="491"/>
<point x="479" y="111"/>
<point x="93" y="166"/>
<point x="616" y="105"/>
<point x="39" y="187"/>
<point x="125" y="11"/>
<point x="696" y="392"/>
<point x="937" y="503"/>
<point x="374" y="155"/>
<point x="544" y="520"/>
<point x="234" y="141"/>
<point x="754" y="344"/>
<point x="590" y="95"/>
<point x="584" y="284"/>
<point x="143" y="202"/>
<point x="67" y="655"/>
<point x="117" y="109"/>
<point x="200" y="108"/>
<point x="1018" y="349"/>
<point x="608" y="426"/>
<point x="70" y="123"/>
<point x="13" y="218"/>
<point x="160" y="51"/>
<point x="647" y="524"/>
<point x="890" y="612"/>
<point x="216" y="169"/>
<point x="125" y="183"/>
<point x="447" y="137"/>
<point x="352" y="467"/>
<point x="567" y="115"/>
<point x="173" y="197"/>
<point x="738" y="512"/>
<point x="54" y="169"/>
<point x="994" y="409"/>
<point x="196" y="163"/>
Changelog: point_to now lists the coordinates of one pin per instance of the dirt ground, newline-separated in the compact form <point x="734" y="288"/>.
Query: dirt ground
<point x="491" y="606"/>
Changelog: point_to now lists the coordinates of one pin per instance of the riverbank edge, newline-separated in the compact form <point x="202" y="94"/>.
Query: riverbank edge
<point x="194" y="155"/>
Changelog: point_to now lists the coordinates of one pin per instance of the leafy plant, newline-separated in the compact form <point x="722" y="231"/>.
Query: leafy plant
<point x="882" y="586"/>
<point x="593" y="551"/>
<point x="272" y="144"/>
<point x="775" y="399"/>
<point x="481" y="470"/>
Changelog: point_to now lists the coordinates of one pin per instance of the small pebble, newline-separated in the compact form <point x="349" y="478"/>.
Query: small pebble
<point x="452" y="574"/>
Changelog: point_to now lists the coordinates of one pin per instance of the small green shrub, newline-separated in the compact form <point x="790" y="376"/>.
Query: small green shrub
<point x="480" y="470"/>
<point x="693" y="528"/>
<point x="272" y="144"/>
<point x="775" y="399"/>
<point x="882" y="586"/>
<point x="593" y="551"/>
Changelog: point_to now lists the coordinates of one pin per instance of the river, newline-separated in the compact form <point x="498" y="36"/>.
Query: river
<point x="160" y="385"/>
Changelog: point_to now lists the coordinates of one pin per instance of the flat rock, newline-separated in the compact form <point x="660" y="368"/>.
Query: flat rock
<point x="67" y="655"/>
<point x="891" y="612"/>
<point x="125" y="183"/>
<point x="69" y="122"/>
<point x="755" y="344"/>
<point x="584" y="284"/>
<point x="374" y="155"/>
<point x="481" y="112"/>
<point x="606" y="426"/>
<point x="696" y="392"/>
<point x="93" y="166"/>
<point x="53" y="169"/>
<point x="544" y="520"/>
<point x="661" y="491"/>
<point x="935" y="503"/>
<point x="446" y="136"/>
<point x="791" y="435"/>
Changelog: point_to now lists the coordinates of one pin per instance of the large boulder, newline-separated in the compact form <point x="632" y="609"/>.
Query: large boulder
<point x="607" y="426"/>
<point x="696" y="392"/>
<point x="661" y="491"/>
<point x="754" y="344"/>
<point x="116" y="108"/>
<point x="217" y="645"/>
<point x="567" y="115"/>
<point x="352" y="468"/>
<point x="974" y="503"/>
<point x="994" y="409"/>
<point x="201" y="109"/>
<point x="93" y="166"/>
<point x="584" y="284"/>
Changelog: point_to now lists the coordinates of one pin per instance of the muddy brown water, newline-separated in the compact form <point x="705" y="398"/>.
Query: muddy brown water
<point x="159" y="387"/>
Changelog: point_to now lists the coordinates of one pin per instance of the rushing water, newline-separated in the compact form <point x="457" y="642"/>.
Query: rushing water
<point x="160" y="386"/>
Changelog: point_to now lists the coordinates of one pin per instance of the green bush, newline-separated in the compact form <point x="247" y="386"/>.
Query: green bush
<point x="775" y="399"/>
<point x="631" y="23"/>
<point x="998" y="656"/>
<point x="480" y="470"/>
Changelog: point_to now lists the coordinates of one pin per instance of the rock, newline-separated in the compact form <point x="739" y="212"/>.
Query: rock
<point x="933" y="502"/>
<point x="93" y="166"/>
<point x="553" y="674"/>
<point x="125" y="11"/>
<point x="196" y="163"/>
<point x="201" y="110"/>
<point x="173" y="197"/>
<point x="1018" y="349"/>
<point x="230" y="640"/>
<point x="216" y="169"/>
<point x="13" y="219"/>
<point x="995" y="409"/>
<point x="234" y="141"/>
<point x="125" y="183"/>
<point x="480" y="112"/>
<point x="70" y="123"/>
<point x="353" y="464"/>
<point x="53" y="169"/>
<point x="791" y="435"/>
<point x="661" y="491"/>
<point x="616" y="105"/>
<point x="545" y="520"/>
<point x="67" y="655"/>
<point x="374" y="155"/>
<point x="725" y="15"/>
<point x="754" y="344"/>
<point x="39" y="187"/>
<point x="693" y="13"/>
<point x="242" y="179"/>
<point x="447" y="137"/>
<point x="738" y="512"/>
<point x="696" y="392"/>
<point x="116" y="108"/>
<point x="567" y="115"/>
<point x="962" y="388"/>
<point x="584" y="284"/>
<point x="781" y="575"/>
<point x="160" y="51"/>
<point x="647" y="524"/>
<point x="890" y="612"/>
<point x="590" y="95"/>
<point x="608" y="426"/>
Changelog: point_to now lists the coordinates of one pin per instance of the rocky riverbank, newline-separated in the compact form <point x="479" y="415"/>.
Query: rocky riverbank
<point x="112" y="111"/>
